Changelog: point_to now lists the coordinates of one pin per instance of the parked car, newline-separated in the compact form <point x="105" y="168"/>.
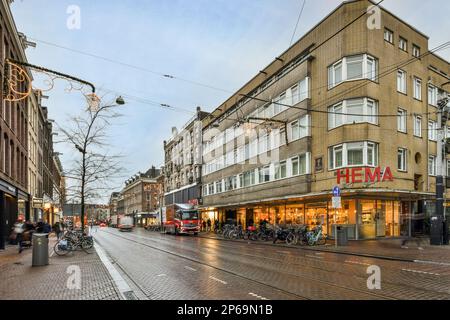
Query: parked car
<point x="102" y="225"/>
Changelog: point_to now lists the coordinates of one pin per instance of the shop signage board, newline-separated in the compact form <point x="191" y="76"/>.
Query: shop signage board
<point x="336" y="202"/>
<point x="364" y="175"/>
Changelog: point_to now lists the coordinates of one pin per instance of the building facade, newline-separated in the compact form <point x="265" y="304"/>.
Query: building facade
<point x="14" y="196"/>
<point x="357" y="111"/>
<point x="183" y="161"/>
<point x="142" y="197"/>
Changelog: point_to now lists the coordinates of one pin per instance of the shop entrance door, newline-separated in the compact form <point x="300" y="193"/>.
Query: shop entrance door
<point x="316" y="214"/>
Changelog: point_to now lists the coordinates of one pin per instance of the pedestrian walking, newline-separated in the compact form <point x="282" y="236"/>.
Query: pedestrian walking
<point x="209" y="225"/>
<point x="204" y="225"/>
<point x="58" y="230"/>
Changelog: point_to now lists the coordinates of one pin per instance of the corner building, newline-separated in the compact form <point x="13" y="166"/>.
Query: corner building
<point x="357" y="111"/>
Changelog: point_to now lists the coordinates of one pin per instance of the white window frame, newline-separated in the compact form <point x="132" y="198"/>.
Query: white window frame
<point x="432" y="95"/>
<point x="402" y="152"/>
<point x="401" y="81"/>
<point x="432" y="165"/>
<point x="342" y="107"/>
<point x="345" y="147"/>
<point x="417" y="89"/>
<point x="388" y="35"/>
<point x="332" y="70"/>
<point x="402" y="120"/>
<point x="418" y="126"/>
<point x="432" y="130"/>
<point x="302" y="126"/>
<point x="403" y="44"/>
<point x="416" y="51"/>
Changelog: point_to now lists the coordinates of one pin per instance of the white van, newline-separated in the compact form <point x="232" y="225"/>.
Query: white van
<point x="126" y="224"/>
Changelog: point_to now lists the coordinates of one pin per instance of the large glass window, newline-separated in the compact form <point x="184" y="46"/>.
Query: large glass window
<point x="300" y="128"/>
<point x="353" y="111"/>
<point x="351" y="68"/>
<point x="353" y="154"/>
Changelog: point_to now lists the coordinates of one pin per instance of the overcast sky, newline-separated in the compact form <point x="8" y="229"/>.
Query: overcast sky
<point x="222" y="43"/>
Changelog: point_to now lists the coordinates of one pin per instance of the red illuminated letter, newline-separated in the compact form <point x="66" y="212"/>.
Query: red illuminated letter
<point x="369" y="177"/>
<point x="340" y="175"/>
<point x="356" y="173"/>
<point x="387" y="174"/>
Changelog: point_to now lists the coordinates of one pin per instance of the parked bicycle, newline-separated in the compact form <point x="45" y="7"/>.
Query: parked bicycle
<point x="315" y="236"/>
<point x="266" y="233"/>
<point x="73" y="240"/>
<point x="297" y="236"/>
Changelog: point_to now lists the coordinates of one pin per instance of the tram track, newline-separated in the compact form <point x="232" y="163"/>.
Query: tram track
<point x="297" y="296"/>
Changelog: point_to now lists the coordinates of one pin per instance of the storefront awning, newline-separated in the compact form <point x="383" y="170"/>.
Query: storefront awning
<point x="323" y="196"/>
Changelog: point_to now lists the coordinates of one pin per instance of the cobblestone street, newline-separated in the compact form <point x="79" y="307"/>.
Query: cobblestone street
<point x="168" y="267"/>
<point x="21" y="281"/>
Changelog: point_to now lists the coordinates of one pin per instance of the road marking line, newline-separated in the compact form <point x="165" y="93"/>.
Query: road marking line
<point x="311" y="256"/>
<point x="257" y="296"/>
<point x="218" y="280"/>
<point x="161" y="275"/>
<point x="423" y="272"/>
<point x="357" y="262"/>
<point x="189" y="268"/>
<point x="120" y="282"/>
<point x="432" y="262"/>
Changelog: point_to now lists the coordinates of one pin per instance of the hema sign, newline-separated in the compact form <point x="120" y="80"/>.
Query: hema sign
<point x="364" y="175"/>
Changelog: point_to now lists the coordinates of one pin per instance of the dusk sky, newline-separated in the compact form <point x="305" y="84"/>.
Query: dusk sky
<point x="221" y="43"/>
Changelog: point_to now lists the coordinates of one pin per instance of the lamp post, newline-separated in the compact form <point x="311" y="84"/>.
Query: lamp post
<point x="83" y="151"/>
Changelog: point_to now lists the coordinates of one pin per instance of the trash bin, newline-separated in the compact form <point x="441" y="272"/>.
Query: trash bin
<point x="341" y="236"/>
<point x="40" y="249"/>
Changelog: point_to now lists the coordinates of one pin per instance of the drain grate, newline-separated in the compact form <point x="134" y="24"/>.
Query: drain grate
<point x="129" y="295"/>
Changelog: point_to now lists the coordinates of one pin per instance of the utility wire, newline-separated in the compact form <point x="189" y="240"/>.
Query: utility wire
<point x="395" y="68"/>
<point x="296" y="25"/>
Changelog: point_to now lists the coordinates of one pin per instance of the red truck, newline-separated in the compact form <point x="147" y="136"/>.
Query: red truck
<point x="181" y="219"/>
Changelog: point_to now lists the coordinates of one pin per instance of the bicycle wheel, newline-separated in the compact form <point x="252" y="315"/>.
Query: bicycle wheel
<point x="87" y="246"/>
<point x="62" y="247"/>
<point x="290" y="239"/>
<point x="322" y="240"/>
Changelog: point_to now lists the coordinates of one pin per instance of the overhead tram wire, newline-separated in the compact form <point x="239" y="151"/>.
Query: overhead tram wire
<point x="296" y="25"/>
<point x="366" y="82"/>
<point x="132" y="66"/>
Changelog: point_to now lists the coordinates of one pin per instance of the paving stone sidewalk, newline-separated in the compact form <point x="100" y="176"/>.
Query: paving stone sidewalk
<point x="20" y="281"/>
<point x="383" y="248"/>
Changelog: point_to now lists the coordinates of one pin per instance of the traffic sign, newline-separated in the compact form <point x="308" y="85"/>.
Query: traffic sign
<point x="336" y="191"/>
<point x="336" y="203"/>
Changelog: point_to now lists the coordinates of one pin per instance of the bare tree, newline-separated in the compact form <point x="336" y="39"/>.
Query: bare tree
<point x="93" y="170"/>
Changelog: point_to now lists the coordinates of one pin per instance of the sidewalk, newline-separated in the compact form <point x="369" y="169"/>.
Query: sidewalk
<point x="381" y="248"/>
<point x="21" y="281"/>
